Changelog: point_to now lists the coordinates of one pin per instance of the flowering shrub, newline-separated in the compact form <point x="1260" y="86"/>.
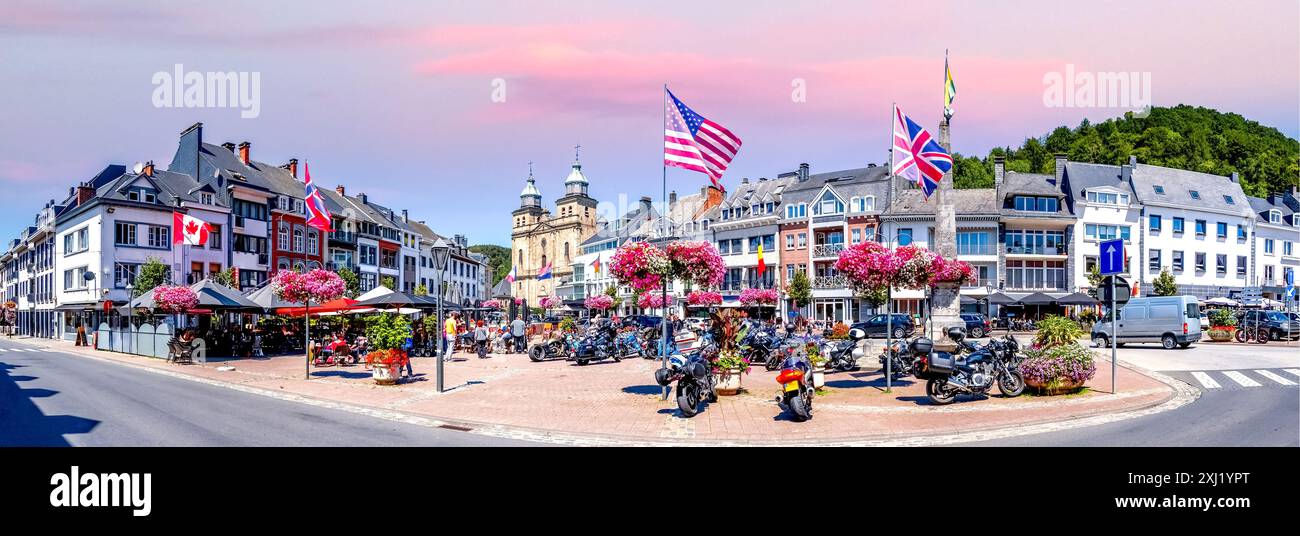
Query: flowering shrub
<point x="174" y="298"/>
<point x="703" y="297"/>
<point x="758" y="296"/>
<point x="548" y="302"/>
<point x="728" y="361"/>
<point x="599" y="302"/>
<point x="696" y="262"/>
<point x="492" y="304"/>
<point x="1053" y="367"/>
<point x="317" y="285"/>
<point x="840" y="331"/>
<point x="1223" y="319"/>
<point x="640" y="265"/>
<point x="650" y="300"/>
<point x="871" y="268"/>
<point x="390" y="358"/>
<point x="1056" y="330"/>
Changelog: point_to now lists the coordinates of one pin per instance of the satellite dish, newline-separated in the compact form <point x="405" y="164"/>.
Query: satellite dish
<point x="138" y="168"/>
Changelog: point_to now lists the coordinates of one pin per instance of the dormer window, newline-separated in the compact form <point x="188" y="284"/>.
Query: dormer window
<point x="829" y="204"/>
<point x="205" y="198"/>
<point x="1036" y="204"/>
<point x="1275" y="216"/>
<point x="133" y="195"/>
<point x="1195" y="195"/>
<point x="796" y="211"/>
<point x="1106" y="198"/>
<point x="150" y="198"/>
<point x="1295" y="220"/>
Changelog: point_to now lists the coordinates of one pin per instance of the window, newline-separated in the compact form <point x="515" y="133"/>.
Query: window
<point x="1221" y="264"/>
<point x="789" y="241"/>
<point x="133" y="195"/>
<point x="796" y="211"/>
<point x="904" y="237"/>
<point x="1153" y="223"/>
<point x="388" y="258"/>
<point x="1295" y="220"/>
<point x="1228" y="199"/>
<point x="205" y="198"/>
<point x="282" y="237"/>
<point x="124" y="274"/>
<point x="1241" y="232"/>
<point x="1275" y="216"/>
<point x="1159" y="189"/>
<point x="1268" y="246"/>
<point x="1241" y="265"/>
<point x="369" y="255"/>
<point x="1046" y="275"/>
<point x="829" y="204"/>
<point x="1153" y="260"/>
<point x="974" y="243"/>
<point x="241" y="243"/>
<point x="1268" y="273"/>
<point x="248" y="209"/>
<point x="1195" y="195"/>
<point x="1177" y="261"/>
<point x="769" y="243"/>
<point x="1178" y="225"/>
<point x="1035" y="204"/>
<point x="159" y="236"/>
<point x="1286" y="248"/>
<point x="1200" y="262"/>
<point x="789" y="272"/>
<point x="313" y="242"/>
<point x="67" y="244"/>
<point x="1105" y="232"/>
<point x="857" y="236"/>
<point x="1200" y="227"/>
<point x="214" y="236"/>
<point x="735" y="246"/>
<point x="124" y="234"/>
<point x="1221" y="229"/>
<point x="297" y="239"/>
<point x="803" y="240"/>
<point x="1104" y="198"/>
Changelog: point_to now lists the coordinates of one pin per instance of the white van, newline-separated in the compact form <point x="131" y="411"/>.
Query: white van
<point x="1172" y="321"/>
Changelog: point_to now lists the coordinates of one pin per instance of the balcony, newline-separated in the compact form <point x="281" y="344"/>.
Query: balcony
<point x="827" y="250"/>
<point x="830" y="282"/>
<point x="986" y="249"/>
<point x="343" y="237"/>
<point x="979" y="283"/>
<point x="1035" y="250"/>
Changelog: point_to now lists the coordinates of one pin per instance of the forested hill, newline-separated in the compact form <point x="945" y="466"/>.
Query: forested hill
<point x="1184" y="137"/>
<point x="498" y="260"/>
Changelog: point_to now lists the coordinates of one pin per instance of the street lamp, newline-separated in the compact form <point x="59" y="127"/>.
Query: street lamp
<point x="441" y="251"/>
<point x="130" y="314"/>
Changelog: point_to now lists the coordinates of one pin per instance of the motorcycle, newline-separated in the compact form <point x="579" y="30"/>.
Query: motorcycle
<point x="629" y="343"/>
<point x="693" y="373"/>
<point x="948" y="375"/>
<point x="796" y="394"/>
<point x="597" y="346"/>
<point x="843" y="355"/>
<point x="899" y="359"/>
<point x="556" y="346"/>
<point x="762" y="346"/>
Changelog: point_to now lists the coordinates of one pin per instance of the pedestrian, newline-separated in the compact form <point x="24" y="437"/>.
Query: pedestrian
<point x="81" y="335"/>
<point x="480" y="336"/>
<point x="517" y="331"/>
<point x="448" y="337"/>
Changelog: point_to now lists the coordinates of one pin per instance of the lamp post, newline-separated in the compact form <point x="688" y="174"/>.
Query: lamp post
<point x="889" y="330"/>
<point x="441" y="251"/>
<point x="130" y="314"/>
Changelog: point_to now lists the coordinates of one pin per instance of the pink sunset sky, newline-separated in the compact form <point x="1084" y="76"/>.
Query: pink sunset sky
<point x="396" y="99"/>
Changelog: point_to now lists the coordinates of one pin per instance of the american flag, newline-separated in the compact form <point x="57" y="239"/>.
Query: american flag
<point x="695" y="143"/>
<point x="917" y="155"/>
<point x="317" y="215"/>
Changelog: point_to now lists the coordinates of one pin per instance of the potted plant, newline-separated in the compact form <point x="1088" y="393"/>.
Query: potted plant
<point x="818" y="361"/>
<point x="703" y="298"/>
<point x="1057" y="363"/>
<point x="729" y="365"/>
<point x="387" y="333"/>
<point x="1223" y="325"/>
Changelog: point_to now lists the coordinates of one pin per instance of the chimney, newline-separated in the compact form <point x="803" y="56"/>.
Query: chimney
<point x="292" y="166"/>
<point x="999" y="171"/>
<point x="229" y="146"/>
<point x="762" y="179"/>
<point x="645" y="204"/>
<point x="1275" y="198"/>
<point x="672" y="198"/>
<point x="340" y="190"/>
<point x="362" y="197"/>
<point x="803" y="172"/>
<point x="405" y="217"/>
<point x="1132" y="162"/>
<point x="243" y="152"/>
<point x="1061" y="159"/>
<point x="84" y="193"/>
<point x="1126" y="173"/>
<point x="1234" y="177"/>
<point x="148" y="169"/>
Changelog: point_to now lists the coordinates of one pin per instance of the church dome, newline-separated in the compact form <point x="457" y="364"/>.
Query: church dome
<point x="576" y="176"/>
<point x="530" y="189"/>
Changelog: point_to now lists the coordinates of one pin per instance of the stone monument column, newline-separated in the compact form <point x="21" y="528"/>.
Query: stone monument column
<point x="945" y="300"/>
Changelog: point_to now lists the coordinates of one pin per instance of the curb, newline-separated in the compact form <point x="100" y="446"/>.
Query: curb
<point x="1182" y="395"/>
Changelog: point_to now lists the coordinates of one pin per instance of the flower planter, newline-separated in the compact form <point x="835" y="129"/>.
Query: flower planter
<point x="1061" y="387"/>
<point x="728" y="382"/>
<point x="819" y="377"/>
<point x="1221" y="335"/>
<point x="384" y="374"/>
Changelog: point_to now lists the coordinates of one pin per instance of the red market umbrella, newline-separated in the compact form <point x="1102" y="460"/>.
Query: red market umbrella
<point x="332" y="306"/>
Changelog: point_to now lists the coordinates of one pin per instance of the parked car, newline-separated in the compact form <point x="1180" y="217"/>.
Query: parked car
<point x="1278" y="324"/>
<point x="1172" y="321"/>
<point x="977" y="325"/>
<point x="697" y="322"/>
<point x="642" y="321"/>
<point x="878" y="326"/>
<point x="1205" y="321"/>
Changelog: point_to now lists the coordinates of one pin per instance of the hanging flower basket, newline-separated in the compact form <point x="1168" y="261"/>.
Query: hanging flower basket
<point x="650" y="300"/>
<point x="643" y="266"/>
<point x="599" y="303"/>
<point x="703" y="298"/>
<point x="492" y="304"/>
<point x="698" y="263"/>
<point x="758" y="296"/>
<point x="549" y="302"/>
<point x="174" y="299"/>
<point x="316" y="286"/>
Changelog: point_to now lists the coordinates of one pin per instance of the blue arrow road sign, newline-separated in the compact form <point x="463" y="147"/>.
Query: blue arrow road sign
<point x="1112" y="257"/>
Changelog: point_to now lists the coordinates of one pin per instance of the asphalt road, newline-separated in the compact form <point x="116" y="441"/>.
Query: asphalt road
<point x="55" y="399"/>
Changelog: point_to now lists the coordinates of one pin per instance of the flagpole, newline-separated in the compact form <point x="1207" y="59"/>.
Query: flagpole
<point x="889" y="292"/>
<point x="663" y="224"/>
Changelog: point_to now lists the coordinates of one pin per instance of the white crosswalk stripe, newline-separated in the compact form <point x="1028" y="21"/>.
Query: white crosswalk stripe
<point x="1274" y="377"/>
<point x="1240" y="378"/>
<point x="1206" y="381"/>
<point x="1293" y="371"/>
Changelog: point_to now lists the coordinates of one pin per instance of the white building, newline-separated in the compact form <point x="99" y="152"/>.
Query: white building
<point x="1274" y="245"/>
<point x="1104" y="204"/>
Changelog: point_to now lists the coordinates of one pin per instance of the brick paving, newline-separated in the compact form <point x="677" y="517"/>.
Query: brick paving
<point x="620" y="401"/>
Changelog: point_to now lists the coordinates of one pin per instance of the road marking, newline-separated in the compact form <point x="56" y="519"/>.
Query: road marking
<point x="1240" y="378"/>
<point x="1206" y="380"/>
<point x="1274" y="377"/>
<point x="1293" y="371"/>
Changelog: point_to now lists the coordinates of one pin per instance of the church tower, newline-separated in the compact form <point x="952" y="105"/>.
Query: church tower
<point x="540" y="239"/>
<point x="576" y="203"/>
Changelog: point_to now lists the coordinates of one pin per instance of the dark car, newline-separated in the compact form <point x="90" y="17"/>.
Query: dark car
<point x="642" y="321"/>
<point x="1278" y="324"/>
<point x="977" y="325"/>
<point x="878" y="326"/>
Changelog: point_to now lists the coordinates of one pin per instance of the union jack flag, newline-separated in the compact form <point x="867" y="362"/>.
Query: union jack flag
<point x="695" y="143"/>
<point x="317" y="215"/>
<point x="917" y="155"/>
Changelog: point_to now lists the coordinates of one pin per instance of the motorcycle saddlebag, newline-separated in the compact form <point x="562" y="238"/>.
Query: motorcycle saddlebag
<point x="942" y="363"/>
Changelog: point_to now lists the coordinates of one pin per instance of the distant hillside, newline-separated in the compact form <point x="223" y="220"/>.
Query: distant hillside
<point x="1183" y="137"/>
<point x="498" y="260"/>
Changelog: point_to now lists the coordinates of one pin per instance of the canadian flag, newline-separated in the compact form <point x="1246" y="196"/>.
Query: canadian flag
<point x="189" y="230"/>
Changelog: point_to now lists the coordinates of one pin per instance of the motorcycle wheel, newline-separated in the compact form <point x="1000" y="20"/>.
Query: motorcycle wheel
<point x="1011" y="383"/>
<point x="845" y="365"/>
<point x="773" y="362"/>
<point x="537" y="353"/>
<point x="937" y="394"/>
<point x="800" y="409"/>
<point x="688" y="398"/>
<point x="582" y="361"/>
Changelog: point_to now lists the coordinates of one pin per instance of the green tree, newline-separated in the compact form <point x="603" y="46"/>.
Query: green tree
<point x="152" y="273"/>
<point x="225" y="277"/>
<point x="498" y="260"/>
<point x="352" y="281"/>
<point x="388" y="282"/>
<point x="800" y="290"/>
<point x="612" y="292"/>
<point x="1095" y="278"/>
<point x="421" y="290"/>
<point x="1164" y="285"/>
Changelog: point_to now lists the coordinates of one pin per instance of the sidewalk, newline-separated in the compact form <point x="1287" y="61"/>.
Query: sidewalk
<point x="614" y="403"/>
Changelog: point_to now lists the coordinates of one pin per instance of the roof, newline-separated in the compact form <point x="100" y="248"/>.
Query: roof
<point x="968" y="202"/>
<point x="1031" y="184"/>
<point x="1178" y="185"/>
<point x="1080" y="176"/>
<point x="1262" y="206"/>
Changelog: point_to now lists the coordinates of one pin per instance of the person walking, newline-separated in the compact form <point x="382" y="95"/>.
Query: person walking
<point x="481" y="339"/>
<point x="81" y="334"/>
<point x="517" y="331"/>
<point x="448" y="337"/>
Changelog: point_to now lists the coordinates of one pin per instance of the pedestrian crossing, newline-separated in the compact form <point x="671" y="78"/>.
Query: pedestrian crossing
<point x="1245" y="379"/>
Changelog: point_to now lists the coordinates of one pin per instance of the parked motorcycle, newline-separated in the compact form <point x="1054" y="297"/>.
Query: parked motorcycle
<point x="762" y="346"/>
<point x="948" y="375"/>
<point x="598" y="345"/>
<point x="693" y="373"/>
<point x="629" y="343"/>
<point x="796" y="394"/>
<point x="899" y="359"/>
<point x="843" y="355"/>
<point x="556" y="346"/>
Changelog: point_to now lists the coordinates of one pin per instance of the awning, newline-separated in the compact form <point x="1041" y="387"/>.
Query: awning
<point x="81" y="306"/>
<point x="998" y="298"/>
<point x="332" y="306"/>
<point x="1037" y="298"/>
<point x="1077" y="298"/>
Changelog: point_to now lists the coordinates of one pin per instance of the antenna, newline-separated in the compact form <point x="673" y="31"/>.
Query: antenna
<point x="138" y="168"/>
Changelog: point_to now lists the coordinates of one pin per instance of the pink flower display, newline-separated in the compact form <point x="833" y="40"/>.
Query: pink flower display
<point x="316" y="286"/>
<point x="758" y="296"/>
<point x="492" y="304"/>
<point x="951" y="271"/>
<point x="870" y="266"/>
<point x="914" y="272"/>
<point x="703" y="298"/>
<point x="519" y="301"/>
<point x="650" y="300"/>
<point x="599" y="302"/>
<point x="548" y="302"/>
<point x="639" y="265"/>
<point x="174" y="298"/>
<point x="696" y="262"/>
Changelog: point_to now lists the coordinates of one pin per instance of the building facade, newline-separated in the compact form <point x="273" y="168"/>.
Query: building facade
<point x="539" y="239"/>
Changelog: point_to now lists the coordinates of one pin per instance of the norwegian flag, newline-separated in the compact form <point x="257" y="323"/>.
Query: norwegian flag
<point x="695" y="143"/>
<point x="189" y="230"/>
<point x="917" y="155"/>
<point x="317" y="215"/>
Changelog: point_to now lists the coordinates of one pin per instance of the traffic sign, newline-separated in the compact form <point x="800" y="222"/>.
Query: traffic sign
<point x="1122" y="290"/>
<point x="1112" y="257"/>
